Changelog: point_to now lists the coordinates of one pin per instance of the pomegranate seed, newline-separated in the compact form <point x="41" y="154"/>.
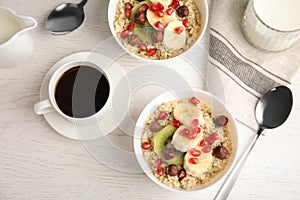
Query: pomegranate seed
<point x="195" y="152"/>
<point x="128" y="6"/>
<point x="160" y="171"/>
<point x="206" y="149"/>
<point x="196" y="130"/>
<point x="186" y="23"/>
<point x="158" y="163"/>
<point x="159" y="25"/>
<point x="195" y="123"/>
<point x="192" y="135"/>
<point x="176" y="123"/>
<point x="151" y="52"/>
<point x="159" y="13"/>
<point x="124" y="34"/>
<point x="175" y="4"/>
<point x="162" y="115"/>
<point x="128" y="13"/>
<point x="179" y="30"/>
<point x="209" y="140"/>
<point x="153" y="8"/>
<point x="143" y="8"/>
<point x="214" y="136"/>
<point x="203" y="143"/>
<point x="130" y="27"/>
<point x="194" y="161"/>
<point x="142" y="47"/>
<point x="146" y="145"/>
<point x="195" y="101"/>
<point x="184" y="132"/>
<point x="170" y="11"/>
<point x="160" y="6"/>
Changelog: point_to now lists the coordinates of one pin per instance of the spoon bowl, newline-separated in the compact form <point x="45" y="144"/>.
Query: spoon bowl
<point x="65" y="18"/>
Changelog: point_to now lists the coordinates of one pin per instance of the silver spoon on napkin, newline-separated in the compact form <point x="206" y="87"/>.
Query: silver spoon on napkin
<point x="65" y="18"/>
<point x="271" y="111"/>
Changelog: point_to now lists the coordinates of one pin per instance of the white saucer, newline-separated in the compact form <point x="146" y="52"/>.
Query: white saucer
<point x="100" y="126"/>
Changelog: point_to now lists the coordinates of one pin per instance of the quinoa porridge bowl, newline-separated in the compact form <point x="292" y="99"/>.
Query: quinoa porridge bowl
<point x="185" y="143"/>
<point x="157" y="29"/>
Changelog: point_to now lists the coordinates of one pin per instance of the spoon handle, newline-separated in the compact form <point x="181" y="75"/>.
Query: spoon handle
<point x="227" y="186"/>
<point x="82" y="3"/>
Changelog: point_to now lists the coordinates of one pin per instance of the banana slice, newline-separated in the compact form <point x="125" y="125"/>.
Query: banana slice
<point x="197" y="170"/>
<point x="183" y="143"/>
<point x="172" y="39"/>
<point x="187" y="112"/>
<point x="165" y="20"/>
<point x="165" y="3"/>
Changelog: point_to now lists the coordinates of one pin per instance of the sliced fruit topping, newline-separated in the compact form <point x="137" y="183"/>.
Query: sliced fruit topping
<point x="143" y="32"/>
<point x="183" y="11"/>
<point x="172" y="39"/>
<point x="187" y="112"/>
<point x="220" y="152"/>
<point x="179" y="29"/>
<point x="175" y="4"/>
<point x="142" y="47"/>
<point x="146" y="145"/>
<point x="160" y="171"/>
<point x="155" y="127"/>
<point x="170" y="11"/>
<point x="183" y="138"/>
<point x="186" y="23"/>
<point x="172" y="170"/>
<point x="161" y="137"/>
<point x="151" y="52"/>
<point x="176" y="123"/>
<point x="221" y="120"/>
<point x="139" y="8"/>
<point x="159" y="25"/>
<point x="194" y="100"/>
<point x="162" y="115"/>
<point x="193" y="161"/>
<point x="195" y="152"/>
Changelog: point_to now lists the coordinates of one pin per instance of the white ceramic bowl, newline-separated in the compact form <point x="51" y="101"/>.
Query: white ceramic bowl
<point x="218" y="108"/>
<point x="202" y="5"/>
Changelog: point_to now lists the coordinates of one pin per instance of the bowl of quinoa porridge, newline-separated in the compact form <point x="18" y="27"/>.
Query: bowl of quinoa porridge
<point x="157" y="29"/>
<point x="185" y="141"/>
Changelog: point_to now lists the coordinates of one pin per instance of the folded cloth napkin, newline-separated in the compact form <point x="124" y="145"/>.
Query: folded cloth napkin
<point x="237" y="72"/>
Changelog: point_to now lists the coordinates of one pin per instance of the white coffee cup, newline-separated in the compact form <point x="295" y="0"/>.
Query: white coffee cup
<point x="272" y="25"/>
<point x="51" y="105"/>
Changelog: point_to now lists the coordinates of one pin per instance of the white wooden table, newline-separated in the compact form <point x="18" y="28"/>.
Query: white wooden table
<point x="38" y="163"/>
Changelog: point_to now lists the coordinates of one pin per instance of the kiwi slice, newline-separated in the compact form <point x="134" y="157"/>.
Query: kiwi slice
<point x="160" y="147"/>
<point x="143" y="32"/>
<point x="136" y="8"/>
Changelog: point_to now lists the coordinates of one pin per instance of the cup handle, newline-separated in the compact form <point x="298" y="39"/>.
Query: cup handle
<point x="43" y="107"/>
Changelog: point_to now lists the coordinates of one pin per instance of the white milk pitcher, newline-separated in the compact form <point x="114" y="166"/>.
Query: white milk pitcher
<point x="16" y="45"/>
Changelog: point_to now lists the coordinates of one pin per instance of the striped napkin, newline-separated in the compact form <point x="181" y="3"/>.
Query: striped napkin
<point x="237" y="72"/>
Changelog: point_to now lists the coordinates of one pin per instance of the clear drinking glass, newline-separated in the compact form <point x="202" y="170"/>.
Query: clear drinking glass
<point x="269" y="31"/>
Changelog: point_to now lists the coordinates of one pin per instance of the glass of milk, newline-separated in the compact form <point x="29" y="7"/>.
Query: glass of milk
<point x="272" y="25"/>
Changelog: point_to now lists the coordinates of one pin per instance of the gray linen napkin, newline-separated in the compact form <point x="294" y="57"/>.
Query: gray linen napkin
<point x="237" y="72"/>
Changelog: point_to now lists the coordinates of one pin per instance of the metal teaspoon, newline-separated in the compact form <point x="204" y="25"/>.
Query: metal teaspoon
<point x="65" y="18"/>
<point x="271" y="111"/>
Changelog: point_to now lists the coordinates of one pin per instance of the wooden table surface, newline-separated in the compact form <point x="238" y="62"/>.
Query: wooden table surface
<point x="38" y="163"/>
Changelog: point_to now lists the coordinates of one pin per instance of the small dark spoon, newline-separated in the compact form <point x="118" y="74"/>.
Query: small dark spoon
<point x="271" y="111"/>
<point x="65" y="18"/>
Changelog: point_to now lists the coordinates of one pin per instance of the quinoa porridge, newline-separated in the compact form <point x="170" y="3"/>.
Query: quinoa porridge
<point x="185" y="144"/>
<point x="157" y="29"/>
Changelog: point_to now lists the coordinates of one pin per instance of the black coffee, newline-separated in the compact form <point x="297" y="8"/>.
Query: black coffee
<point x="81" y="91"/>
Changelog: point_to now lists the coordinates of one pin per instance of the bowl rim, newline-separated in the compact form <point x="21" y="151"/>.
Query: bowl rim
<point x="111" y="16"/>
<point x="138" y="131"/>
